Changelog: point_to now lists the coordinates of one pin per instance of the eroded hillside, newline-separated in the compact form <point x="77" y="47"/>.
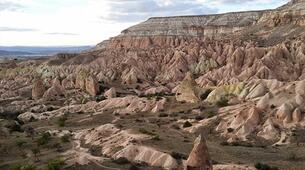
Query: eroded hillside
<point x="140" y="99"/>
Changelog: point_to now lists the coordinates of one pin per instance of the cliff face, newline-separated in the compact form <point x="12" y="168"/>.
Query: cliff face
<point x="266" y="26"/>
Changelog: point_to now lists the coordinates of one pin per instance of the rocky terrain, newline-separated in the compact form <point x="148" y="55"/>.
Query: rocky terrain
<point x="223" y="91"/>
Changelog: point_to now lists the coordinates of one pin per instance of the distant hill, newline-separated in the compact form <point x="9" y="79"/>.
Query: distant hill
<point x="8" y="53"/>
<point x="16" y="51"/>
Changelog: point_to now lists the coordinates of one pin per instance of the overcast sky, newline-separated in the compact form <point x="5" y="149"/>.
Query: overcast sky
<point x="88" y="22"/>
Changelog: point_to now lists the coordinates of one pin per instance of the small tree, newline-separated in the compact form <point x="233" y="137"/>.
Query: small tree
<point x="35" y="152"/>
<point x="44" y="138"/>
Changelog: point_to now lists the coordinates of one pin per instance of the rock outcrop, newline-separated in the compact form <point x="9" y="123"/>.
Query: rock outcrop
<point x="38" y="89"/>
<point x="92" y="86"/>
<point x="199" y="157"/>
<point x="188" y="90"/>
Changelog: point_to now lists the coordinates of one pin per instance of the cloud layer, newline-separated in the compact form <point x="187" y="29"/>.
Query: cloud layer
<point x="135" y="10"/>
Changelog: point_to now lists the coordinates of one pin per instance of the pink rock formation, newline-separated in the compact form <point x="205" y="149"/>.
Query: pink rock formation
<point x="38" y="89"/>
<point x="199" y="158"/>
<point x="92" y="86"/>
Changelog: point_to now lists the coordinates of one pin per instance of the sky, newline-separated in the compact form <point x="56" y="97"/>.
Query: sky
<point x="88" y="22"/>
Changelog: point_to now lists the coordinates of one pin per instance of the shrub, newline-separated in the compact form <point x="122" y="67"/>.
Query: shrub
<point x="20" y="143"/>
<point x="187" y="124"/>
<point x="224" y="143"/>
<point x="177" y="155"/>
<point x="44" y="138"/>
<point x="163" y="115"/>
<point x="230" y="130"/>
<point x="62" y="121"/>
<point x="65" y="138"/>
<point x="156" y="138"/>
<point x="35" y="152"/>
<point x="261" y="166"/>
<point x="23" y="167"/>
<point x="205" y="94"/>
<point x="55" y="164"/>
<point x="58" y="147"/>
<point x="13" y="126"/>
<point x="199" y="117"/>
<point x="121" y="161"/>
<point x="222" y="102"/>
<point x="95" y="150"/>
<point x="211" y="114"/>
<point x="144" y="131"/>
<point x="292" y="157"/>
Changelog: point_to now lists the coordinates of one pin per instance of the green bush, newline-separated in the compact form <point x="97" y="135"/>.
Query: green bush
<point x="23" y="167"/>
<point x="144" y="131"/>
<point x="178" y="155"/>
<point x="187" y="124"/>
<point x="156" y="138"/>
<point x="65" y="138"/>
<point x="211" y="114"/>
<point x="205" y="94"/>
<point x="55" y="164"/>
<point x="163" y="115"/>
<point x="223" y="102"/>
<point x="61" y="122"/>
<point x="230" y="130"/>
<point x="20" y="143"/>
<point x="44" y="138"/>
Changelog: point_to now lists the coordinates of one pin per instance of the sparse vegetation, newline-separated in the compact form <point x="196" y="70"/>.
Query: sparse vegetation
<point x="205" y="94"/>
<point x="55" y="164"/>
<point x="177" y="155"/>
<point x="222" y="102"/>
<point x="211" y="114"/>
<point x="23" y="167"/>
<point x="261" y="166"/>
<point x="156" y="138"/>
<point x="163" y="115"/>
<point x="187" y="124"/>
<point x="44" y="139"/>
<point x="230" y="130"/>
<point x="35" y="152"/>
<point x="61" y="122"/>
<point x="65" y="138"/>
<point x="144" y="131"/>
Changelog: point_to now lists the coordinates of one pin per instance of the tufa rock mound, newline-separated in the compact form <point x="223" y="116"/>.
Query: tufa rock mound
<point x="199" y="158"/>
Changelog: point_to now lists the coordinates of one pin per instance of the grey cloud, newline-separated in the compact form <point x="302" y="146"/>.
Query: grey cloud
<point x="11" y="29"/>
<point x="136" y="10"/>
